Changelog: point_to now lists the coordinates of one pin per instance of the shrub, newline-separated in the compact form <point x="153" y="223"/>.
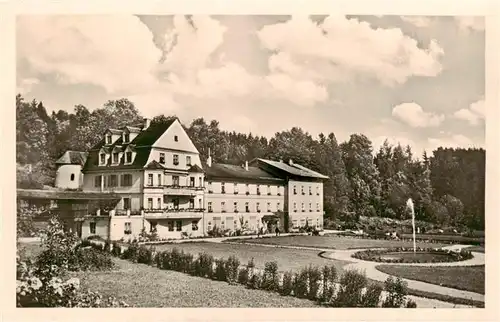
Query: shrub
<point x="287" y="285"/>
<point x="89" y="259"/>
<point x="116" y="250"/>
<point x="220" y="270"/>
<point x="243" y="276"/>
<point x="232" y="265"/>
<point x="329" y="278"/>
<point x="371" y="298"/>
<point x="145" y="255"/>
<point x="350" y="290"/>
<point x="204" y="265"/>
<point x="130" y="253"/>
<point x="396" y="290"/>
<point x="107" y="246"/>
<point x="411" y="304"/>
<point x="270" y="278"/>
<point x="255" y="281"/>
<point x="300" y="284"/>
<point x="313" y="276"/>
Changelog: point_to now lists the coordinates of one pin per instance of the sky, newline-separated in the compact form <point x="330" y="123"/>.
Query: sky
<point x="417" y="80"/>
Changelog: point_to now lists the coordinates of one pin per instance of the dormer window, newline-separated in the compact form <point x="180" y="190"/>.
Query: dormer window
<point x="116" y="157"/>
<point x="126" y="138"/>
<point x="128" y="157"/>
<point x="103" y="158"/>
<point x="108" y="139"/>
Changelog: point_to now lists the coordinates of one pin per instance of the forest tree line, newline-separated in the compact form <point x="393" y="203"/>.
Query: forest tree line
<point x="447" y="187"/>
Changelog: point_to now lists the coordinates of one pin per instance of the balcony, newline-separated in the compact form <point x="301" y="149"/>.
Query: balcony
<point x="177" y="190"/>
<point x="181" y="213"/>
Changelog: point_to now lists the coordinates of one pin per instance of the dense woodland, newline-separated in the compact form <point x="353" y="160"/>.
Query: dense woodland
<point x="447" y="187"/>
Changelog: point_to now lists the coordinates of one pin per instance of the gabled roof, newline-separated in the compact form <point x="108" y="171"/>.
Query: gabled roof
<point x="73" y="157"/>
<point x="230" y="171"/>
<point x="154" y="165"/>
<point x="132" y="129"/>
<point x="150" y="135"/>
<point x="195" y="168"/>
<point x="114" y="131"/>
<point x="293" y="169"/>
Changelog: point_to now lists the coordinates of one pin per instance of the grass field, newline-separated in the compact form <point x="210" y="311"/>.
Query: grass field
<point x="140" y="285"/>
<point x="287" y="259"/>
<point x="335" y="242"/>
<point x="464" y="278"/>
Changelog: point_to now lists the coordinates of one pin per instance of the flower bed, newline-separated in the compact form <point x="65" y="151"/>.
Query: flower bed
<point x="405" y="255"/>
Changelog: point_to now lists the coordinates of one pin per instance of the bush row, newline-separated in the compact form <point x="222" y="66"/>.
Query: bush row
<point x="376" y="255"/>
<point x="322" y="285"/>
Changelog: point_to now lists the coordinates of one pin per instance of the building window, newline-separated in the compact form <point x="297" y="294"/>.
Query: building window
<point x="210" y="206"/>
<point x="257" y="206"/>
<point x="247" y="207"/>
<point x="258" y="189"/>
<point x="294" y="190"/>
<point x="92" y="228"/>
<point x="126" y="203"/>
<point x="176" y="203"/>
<point x="126" y="138"/>
<point x="317" y="206"/>
<point x="303" y="208"/>
<point x="194" y="225"/>
<point x="103" y="158"/>
<point x="278" y="206"/>
<point x="295" y="223"/>
<point x="150" y="179"/>
<point x="209" y="187"/>
<point x="170" y="225"/>
<point x="268" y="207"/>
<point x="128" y="228"/>
<point x="201" y="181"/>
<point x="128" y="157"/>
<point x="108" y="139"/>
<point x="302" y="190"/>
<point x="178" y="225"/>
<point x="176" y="138"/>
<point x="317" y="222"/>
<point x="235" y="188"/>
<point x="126" y="180"/>
<point x="223" y="206"/>
<point x="295" y="207"/>
<point x="188" y="160"/>
<point x="176" y="159"/>
<point x="113" y="180"/>
<point x="302" y="222"/>
<point x="72" y="177"/>
<point x="115" y="157"/>
<point x="247" y="186"/>
<point x="97" y="181"/>
<point x="235" y="206"/>
<point x="191" y="181"/>
<point x="222" y="187"/>
<point x="200" y="204"/>
<point x="317" y="190"/>
<point x="158" y="205"/>
<point x="310" y="190"/>
<point x="191" y="203"/>
<point x="310" y="207"/>
<point x="150" y="203"/>
<point x="175" y="181"/>
<point x="162" y="158"/>
<point x="159" y="179"/>
<point x="152" y="227"/>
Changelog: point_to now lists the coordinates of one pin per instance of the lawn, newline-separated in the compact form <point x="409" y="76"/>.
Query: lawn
<point x="334" y="242"/>
<point x="140" y="285"/>
<point x="457" y="239"/>
<point x="469" y="278"/>
<point x="287" y="259"/>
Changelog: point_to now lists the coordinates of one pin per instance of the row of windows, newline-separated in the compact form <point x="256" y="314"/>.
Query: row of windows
<point x="175" y="159"/>
<point x="115" y="158"/>
<point x="175" y="180"/>
<point x="247" y="190"/>
<point x="303" y="192"/>
<point x="296" y="223"/>
<point x="257" y="207"/>
<point x="173" y="225"/>
<point x="175" y="203"/>
<point x="112" y="180"/>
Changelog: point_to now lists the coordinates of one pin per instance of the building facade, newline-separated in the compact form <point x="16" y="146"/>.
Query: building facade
<point x="165" y="188"/>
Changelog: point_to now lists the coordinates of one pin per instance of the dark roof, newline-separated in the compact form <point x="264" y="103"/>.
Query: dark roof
<point x="154" y="165"/>
<point x="114" y="131"/>
<point x="229" y="171"/>
<point x="132" y="129"/>
<point x="73" y="157"/>
<point x="141" y="144"/>
<point x="294" y="169"/>
<point x="65" y="195"/>
<point x="195" y="168"/>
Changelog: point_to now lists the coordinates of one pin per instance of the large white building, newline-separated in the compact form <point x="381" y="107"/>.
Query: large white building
<point x="165" y="187"/>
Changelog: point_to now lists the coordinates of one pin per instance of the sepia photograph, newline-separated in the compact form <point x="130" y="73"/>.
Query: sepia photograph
<point x="250" y="161"/>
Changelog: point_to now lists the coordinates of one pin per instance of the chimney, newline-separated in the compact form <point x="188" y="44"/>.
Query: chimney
<point x="147" y="123"/>
<point x="290" y="162"/>
<point x="209" y="159"/>
<point x="246" y="165"/>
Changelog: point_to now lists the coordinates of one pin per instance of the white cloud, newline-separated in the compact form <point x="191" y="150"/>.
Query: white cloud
<point x="453" y="141"/>
<point x="474" y="114"/>
<point x="300" y="92"/>
<point x="470" y="23"/>
<point x="115" y="52"/>
<point x="341" y="49"/>
<point x="26" y="85"/>
<point x="418" y="21"/>
<point x="414" y="115"/>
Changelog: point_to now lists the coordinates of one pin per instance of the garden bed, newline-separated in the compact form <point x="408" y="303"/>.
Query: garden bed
<point x="406" y="255"/>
